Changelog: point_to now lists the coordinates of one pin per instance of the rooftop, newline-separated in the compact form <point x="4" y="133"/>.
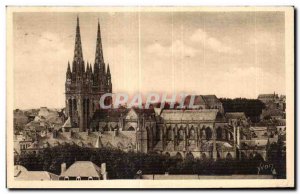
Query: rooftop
<point x="82" y="169"/>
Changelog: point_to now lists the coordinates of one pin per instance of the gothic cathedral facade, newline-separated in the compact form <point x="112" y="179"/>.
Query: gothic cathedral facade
<point x="85" y="85"/>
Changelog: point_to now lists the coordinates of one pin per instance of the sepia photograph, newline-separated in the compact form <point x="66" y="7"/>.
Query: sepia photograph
<point x="150" y="97"/>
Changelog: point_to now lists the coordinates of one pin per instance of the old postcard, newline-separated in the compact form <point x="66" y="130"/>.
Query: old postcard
<point x="150" y="97"/>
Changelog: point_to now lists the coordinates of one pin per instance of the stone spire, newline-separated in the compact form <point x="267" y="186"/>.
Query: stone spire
<point x="87" y="67"/>
<point x="78" y="57"/>
<point x="108" y="77"/>
<point x="69" y="68"/>
<point x="98" y="143"/>
<point x="99" y="51"/>
<point x="68" y="74"/>
<point x="99" y="61"/>
<point x="91" y="70"/>
<point x="108" y="71"/>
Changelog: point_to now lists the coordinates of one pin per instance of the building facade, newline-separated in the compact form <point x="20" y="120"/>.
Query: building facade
<point x="85" y="85"/>
<point x="202" y="133"/>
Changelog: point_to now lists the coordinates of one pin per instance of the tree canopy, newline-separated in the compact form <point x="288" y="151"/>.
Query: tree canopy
<point x="125" y="165"/>
<point x="251" y="107"/>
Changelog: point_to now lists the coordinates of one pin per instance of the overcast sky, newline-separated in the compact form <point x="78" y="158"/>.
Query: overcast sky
<point x="236" y="54"/>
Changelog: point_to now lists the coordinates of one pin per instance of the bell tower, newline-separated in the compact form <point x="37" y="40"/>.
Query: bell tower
<point x="84" y="86"/>
<point x="78" y="86"/>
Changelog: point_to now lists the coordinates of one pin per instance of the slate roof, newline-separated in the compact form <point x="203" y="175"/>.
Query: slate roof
<point x="198" y="100"/>
<point x="90" y="139"/>
<point x="235" y="115"/>
<point x="82" y="169"/>
<point x="109" y="114"/>
<point x="258" y="128"/>
<point x="125" y="137"/>
<point x="266" y="96"/>
<point x="197" y="115"/>
<point x="273" y="112"/>
<point x="113" y="115"/>
<point x="21" y="173"/>
<point x="145" y="112"/>
<point x="211" y="100"/>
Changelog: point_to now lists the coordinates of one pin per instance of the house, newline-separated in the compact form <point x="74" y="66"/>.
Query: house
<point x="21" y="173"/>
<point x="83" y="170"/>
<point x="236" y="117"/>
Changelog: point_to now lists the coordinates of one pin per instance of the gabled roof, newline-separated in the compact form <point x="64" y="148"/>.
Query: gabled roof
<point x="211" y="100"/>
<point x="157" y="111"/>
<point x="82" y="169"/>
<point x="131" y="114"/>
<point x="271" y="96"/>
<point x="197" y="101"/>
<point x="115" y="114"/>
<point x="21" y="173"/>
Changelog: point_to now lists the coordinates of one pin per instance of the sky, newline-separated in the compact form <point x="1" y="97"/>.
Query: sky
<point x="229" y="54"/>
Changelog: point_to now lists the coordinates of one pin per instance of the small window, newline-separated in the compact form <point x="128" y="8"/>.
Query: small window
<point x="78" y="178"/>
<point x="66" y="178"/>
<point x="90" y="178"/>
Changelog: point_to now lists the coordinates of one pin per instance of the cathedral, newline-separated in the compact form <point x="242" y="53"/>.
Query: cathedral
<point x="205" y="132"/>
<point x="84" y="84"/>
<point x="202" y="133"/>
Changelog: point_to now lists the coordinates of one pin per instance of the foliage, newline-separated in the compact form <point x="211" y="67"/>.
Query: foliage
<point x="124" y="165"/>
<point x="251" y="107"/>
<point x="277" y="157"/>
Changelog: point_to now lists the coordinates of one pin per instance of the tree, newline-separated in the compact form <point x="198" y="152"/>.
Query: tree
<point x="251" y="107"/>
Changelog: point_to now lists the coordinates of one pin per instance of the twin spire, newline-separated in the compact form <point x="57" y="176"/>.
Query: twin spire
<point x="78" y="62"/>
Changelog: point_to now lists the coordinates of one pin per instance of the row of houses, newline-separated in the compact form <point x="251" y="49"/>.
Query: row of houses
<point x="80" y="170"/>
<point x="249" y="141"/>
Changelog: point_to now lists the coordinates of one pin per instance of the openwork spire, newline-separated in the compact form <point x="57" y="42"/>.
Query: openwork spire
<point x="69" y="68"/>
<point x="99" y="51"/>
<point x="78" y="57"/>
<point x="108" y="70"/>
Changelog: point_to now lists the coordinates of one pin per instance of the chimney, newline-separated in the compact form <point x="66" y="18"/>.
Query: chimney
<point x="115" y="132"/>
<point x="103" y="171"/>
<point x="63" y="167"/>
